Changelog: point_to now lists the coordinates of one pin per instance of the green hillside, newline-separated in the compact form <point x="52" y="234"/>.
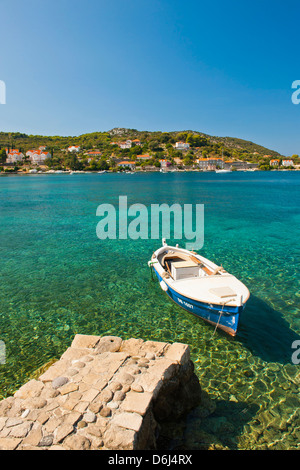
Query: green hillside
<point x="232" y="146"/>
<point x="108" y="149"/>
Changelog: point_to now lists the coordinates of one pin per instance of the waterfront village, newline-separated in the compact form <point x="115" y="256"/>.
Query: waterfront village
<point x="164" y="152"/>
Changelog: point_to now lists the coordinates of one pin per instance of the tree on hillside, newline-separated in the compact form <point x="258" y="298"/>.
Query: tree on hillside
<point x="2" y="156"/>
<point x="188" y="159"/>
<point x="196" y="140"/>
<point x="165" y="138"/>
<point x="73" y="163"/>
<point x="98" y="165"/>
<point x="181" y="136"/>
<point x="134" y="151"/>
<point x="154" y="145"/>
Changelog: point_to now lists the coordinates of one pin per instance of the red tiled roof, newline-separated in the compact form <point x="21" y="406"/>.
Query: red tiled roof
<point x="38" y="152"/>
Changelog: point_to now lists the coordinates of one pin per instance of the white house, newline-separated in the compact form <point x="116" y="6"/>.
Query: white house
<point x="136" y="142"/>
<point x="14" y="157"/>
<point x="182" y="146"/>
<point x="37" y="156"/>
<point x="93" y="153"/>
<point x="126" y="145"/>
<point x="274" y="162"/>
<point x="74" y="148"/>
<point x="287" y="163"/>
<point x="40" y="158"/>
<point x="143" y="158"/>
<point x="127" y="164"/>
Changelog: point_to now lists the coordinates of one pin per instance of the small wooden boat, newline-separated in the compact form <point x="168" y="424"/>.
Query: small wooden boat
<point x="200" y="286"/>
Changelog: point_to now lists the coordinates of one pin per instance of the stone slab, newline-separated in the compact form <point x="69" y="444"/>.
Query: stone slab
<point x="137" y="402"/>
<point x="85" y="341"/>
<point x="178" y="352"/>
<point x="103" y="393"/>
<point x="127" y="420"/>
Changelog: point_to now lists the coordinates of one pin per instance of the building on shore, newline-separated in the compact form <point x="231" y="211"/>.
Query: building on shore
<point x="240" y="165"/>
<point x="14" y="157"/>
<point x="147" y="168"/>
<point x="127" y="164"/>
<point x="287" y="162"/>
<point x="274" y="162"/>
<point x="38" y="157"/>
<point x="210" y="164"/>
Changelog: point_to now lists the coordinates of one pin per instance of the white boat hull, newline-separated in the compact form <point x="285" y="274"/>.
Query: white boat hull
<point x="214" y="295"/>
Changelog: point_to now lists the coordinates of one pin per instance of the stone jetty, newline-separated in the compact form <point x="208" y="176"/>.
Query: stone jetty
<point x="104" y="393"/>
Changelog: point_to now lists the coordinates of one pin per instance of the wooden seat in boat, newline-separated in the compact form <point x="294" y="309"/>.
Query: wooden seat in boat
<point x="173" y="256"/>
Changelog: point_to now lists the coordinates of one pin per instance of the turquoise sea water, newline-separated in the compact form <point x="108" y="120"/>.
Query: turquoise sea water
<point x="58" y="279"/>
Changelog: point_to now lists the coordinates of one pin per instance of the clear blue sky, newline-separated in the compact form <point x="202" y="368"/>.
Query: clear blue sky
<point x="224" y="67"/>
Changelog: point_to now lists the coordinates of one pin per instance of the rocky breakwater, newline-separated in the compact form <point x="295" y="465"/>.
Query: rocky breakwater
<point x="103" y="393"/>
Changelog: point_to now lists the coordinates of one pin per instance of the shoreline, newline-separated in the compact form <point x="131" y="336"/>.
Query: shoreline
<point x="69" y="172"/>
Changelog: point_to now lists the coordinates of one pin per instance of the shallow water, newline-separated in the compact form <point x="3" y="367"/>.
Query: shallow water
<point x="58" y="279"/>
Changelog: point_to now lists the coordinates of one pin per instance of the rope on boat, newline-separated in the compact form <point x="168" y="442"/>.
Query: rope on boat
<point x="150" y="264"/>
<point x="151" y="269"/>
<point x="221" y="313"/>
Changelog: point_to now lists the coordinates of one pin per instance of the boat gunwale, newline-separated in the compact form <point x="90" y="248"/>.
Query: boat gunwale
<point x="155" y="257"/>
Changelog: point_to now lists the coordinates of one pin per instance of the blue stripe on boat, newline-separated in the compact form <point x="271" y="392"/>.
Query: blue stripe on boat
<point x="227" y="321"/>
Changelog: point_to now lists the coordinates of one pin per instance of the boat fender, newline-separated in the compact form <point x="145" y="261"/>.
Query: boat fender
<point x="164" y="286"/>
